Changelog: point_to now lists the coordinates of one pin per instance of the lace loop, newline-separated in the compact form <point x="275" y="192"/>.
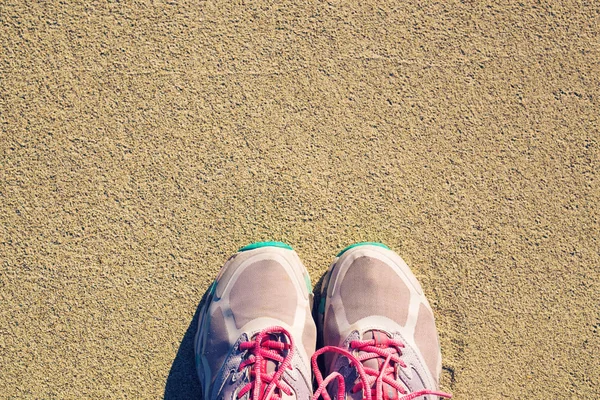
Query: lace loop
<point x="380" y="347"/>
<point x="323" y="383"/>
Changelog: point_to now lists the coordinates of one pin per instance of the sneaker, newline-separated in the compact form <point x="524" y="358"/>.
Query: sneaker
<point x="256" y="333"/>
<point x="377" y="328"/>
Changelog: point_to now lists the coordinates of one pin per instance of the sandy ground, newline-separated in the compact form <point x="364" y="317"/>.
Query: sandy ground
<point x="143" y="143"/>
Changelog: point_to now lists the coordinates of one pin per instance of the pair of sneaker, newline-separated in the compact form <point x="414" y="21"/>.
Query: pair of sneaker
<point x="257" y="337"/>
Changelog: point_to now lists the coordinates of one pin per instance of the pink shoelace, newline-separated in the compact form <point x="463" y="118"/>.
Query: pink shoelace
<point x="268" y="386"/>
<point x="385" y="349"/>
<point x="262" y="349"/>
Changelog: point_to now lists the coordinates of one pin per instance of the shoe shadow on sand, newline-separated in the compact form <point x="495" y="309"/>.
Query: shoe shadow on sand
<point x="182" y="382"/>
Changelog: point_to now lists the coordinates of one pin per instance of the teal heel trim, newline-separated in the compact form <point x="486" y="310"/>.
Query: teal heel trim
<point x="308" y="284"/>
<point x="362" y="244"/>
<point x="322" y="305"/>
<point x="258" y="245"/>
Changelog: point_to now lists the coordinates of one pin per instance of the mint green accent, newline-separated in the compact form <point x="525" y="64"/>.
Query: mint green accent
<point x="322" y="306"/>
<point x="213" y="287"/>
<point x="258" y="245"/>
<point x="362" y="244"/>
<point x="308" y="284"/>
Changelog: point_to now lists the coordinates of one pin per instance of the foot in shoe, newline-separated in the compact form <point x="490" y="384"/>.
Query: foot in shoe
<point x="378" y="330"/>
<point x="256" y="333"/>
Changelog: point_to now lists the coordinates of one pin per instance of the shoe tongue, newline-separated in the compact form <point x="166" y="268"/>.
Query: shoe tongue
<point x="270" y="365"/>
<point x="273" y="365"/>
<point x="389" y="392"/>
<point x="379" y="336"/>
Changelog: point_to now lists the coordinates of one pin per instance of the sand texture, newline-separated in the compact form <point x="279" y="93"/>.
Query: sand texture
<point x="142" y="143"/>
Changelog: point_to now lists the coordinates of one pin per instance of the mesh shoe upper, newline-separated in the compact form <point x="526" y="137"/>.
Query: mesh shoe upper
<point x="373" y="307"/>
<point x="256" y="290"/>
